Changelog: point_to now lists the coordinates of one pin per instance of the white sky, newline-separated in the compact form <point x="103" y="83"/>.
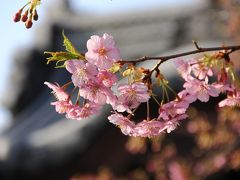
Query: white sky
<point x="111" y="6"/>
<point x="15" y="35"/>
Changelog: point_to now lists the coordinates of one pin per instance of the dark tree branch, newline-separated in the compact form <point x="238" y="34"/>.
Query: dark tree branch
<point x="198" y="50"/>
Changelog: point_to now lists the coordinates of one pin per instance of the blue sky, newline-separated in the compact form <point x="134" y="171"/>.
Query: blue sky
<point x="14" y="36"/>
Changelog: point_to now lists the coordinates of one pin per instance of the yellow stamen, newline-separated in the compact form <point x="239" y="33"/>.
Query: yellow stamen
<point x="102" y="51"/>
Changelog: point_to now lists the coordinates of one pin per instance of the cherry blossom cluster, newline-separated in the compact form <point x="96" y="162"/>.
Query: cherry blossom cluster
<point x="96" y="79"/>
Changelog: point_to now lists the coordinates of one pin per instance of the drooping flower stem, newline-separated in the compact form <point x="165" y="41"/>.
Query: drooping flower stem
<point x="155" y="99"/>
<point x="148" y="111"/>
<point x="67" y="84"/>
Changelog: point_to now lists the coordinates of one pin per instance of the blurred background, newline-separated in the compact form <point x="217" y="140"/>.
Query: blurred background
<point x="37" y="143"/>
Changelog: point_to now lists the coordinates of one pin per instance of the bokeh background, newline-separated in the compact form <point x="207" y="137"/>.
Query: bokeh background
<point x="37" y="143"/>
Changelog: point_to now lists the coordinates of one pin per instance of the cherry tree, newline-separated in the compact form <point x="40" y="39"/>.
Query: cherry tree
<point x="96" y="81"/>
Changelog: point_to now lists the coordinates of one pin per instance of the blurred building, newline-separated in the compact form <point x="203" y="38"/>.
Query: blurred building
<point x="41" y="144"/>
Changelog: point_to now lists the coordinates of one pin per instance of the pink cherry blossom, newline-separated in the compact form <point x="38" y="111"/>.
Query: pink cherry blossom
<point x="176" y="110"/>
<point x="223" y="87"/>
<point x="186" y="97"/>
<point x="102" y="51"/>
<point x="149" y="128"/>
<point x="58" y="91"/>
<point x="62" y="106"/>
<point x="201" y="89"/>
<point x="97" y="93"/>
<point x="201" y="71"/>
<point x="183" y="68"/>
<point x="77" y="112"/>
<point x="233" y="99"/>
<point x="122" y="105"/>
<point x="171" y="125"/>
<point x="73" y="112"/>
<point x="131" y="96"/>
<point x="82" y="72"/>
<point x="108" y="79"/>
<point x="172" y="110"/>
<point x="123" y="123"/>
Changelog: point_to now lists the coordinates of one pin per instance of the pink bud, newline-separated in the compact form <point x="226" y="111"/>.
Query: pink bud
<point x="28" y="23"/>
<point x="17" y="17"/>
<point x="24" y="17"/>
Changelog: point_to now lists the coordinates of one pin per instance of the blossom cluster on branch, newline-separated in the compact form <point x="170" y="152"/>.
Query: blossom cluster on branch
<point x="94" y="76"/>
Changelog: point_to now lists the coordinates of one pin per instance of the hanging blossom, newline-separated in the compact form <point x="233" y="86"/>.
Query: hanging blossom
<point x="194" y="68"/>
<point x="58" y="91"/>
<point x="201" y="71"/>
<point x="77" y="112"/>
<point x="62" y="107"/>
<point x="233" y="99"/>
<point x="183" y="68"/>
<point x="81" y="72"/>
<point x="97" y="93"/>
<point x="196" y="74"/>
<point x="126" y="126"/>
<point x="106" y="78"/>
<point x="172" y="125"/>
<point x="146" y="128"/>
<point x="63" y="103"/>
<point x="185" y="97"/>
<point x="172" y="112"/>
<point x="172" y="109"/>
<point x="131" y="96"/>
<point x="94" y="78"/>
<point x="201" y="89"/>
<point x="176" y="109"/>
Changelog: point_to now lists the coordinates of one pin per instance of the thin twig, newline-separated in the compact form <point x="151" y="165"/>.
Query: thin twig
<point x="196" y="45"/>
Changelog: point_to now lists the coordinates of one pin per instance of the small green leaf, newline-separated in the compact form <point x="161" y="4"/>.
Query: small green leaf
<point x="68" y="45"/>
<point x="71" y="53"/>
<point x="60" y="56"/>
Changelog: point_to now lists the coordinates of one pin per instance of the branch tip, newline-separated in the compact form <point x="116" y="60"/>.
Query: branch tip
<point x="196" y="44"/>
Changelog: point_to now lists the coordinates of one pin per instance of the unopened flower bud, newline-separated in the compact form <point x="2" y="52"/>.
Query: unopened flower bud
<point x="24" y="16"/>
<point x="28" y="23"/>
<point x="223" y="76"/>
<point x="16" y="17"/>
